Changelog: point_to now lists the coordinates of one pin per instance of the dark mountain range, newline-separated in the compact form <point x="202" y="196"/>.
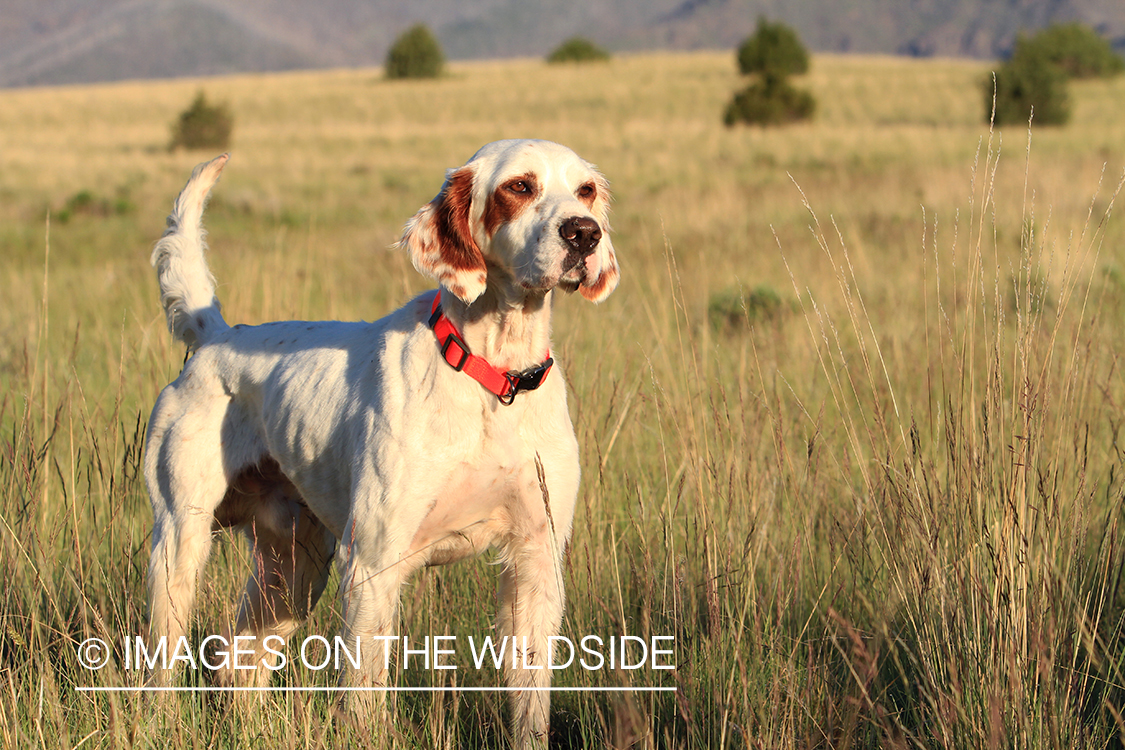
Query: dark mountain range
<point x="78" y="41"/>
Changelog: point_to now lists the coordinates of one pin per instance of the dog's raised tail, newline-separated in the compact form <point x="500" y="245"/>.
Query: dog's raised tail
<point x="187" y="288"/>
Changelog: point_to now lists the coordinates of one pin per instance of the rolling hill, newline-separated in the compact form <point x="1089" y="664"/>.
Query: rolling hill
<point x="74" y="41"/>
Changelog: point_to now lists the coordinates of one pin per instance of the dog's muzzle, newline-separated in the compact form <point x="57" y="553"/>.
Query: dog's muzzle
<point x="581" y="234"/>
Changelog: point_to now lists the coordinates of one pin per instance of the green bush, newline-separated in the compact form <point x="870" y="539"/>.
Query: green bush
<point x="1077" y="49"/>
<point x="86" y="203"/>
<point x="771" y="101"/>
<point x="1027" y="83"/>
<point x="578" y="49"/>
<point x="732" y="308"/>
<point x="774" y="51"/>
<point x="203" y="126"/>
<point x="415" y="54"/>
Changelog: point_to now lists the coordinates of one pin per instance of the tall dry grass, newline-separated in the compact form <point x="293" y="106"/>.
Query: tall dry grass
<point x="885" y="514"/>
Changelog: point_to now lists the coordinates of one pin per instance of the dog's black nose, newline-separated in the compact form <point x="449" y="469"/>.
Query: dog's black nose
<point x="582" y="233"/>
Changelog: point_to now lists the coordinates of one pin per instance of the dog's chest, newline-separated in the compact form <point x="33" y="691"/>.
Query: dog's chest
<point x="474" y="506"/>
<point x="478" y="497"/>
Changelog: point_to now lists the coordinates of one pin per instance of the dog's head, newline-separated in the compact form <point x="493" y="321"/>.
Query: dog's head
<point x="529" y="211"/>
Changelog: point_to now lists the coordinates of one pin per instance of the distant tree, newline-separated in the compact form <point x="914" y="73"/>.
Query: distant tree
<point x="1079" y="50"/>
<point x="202" y="126"/>
<point x="773" y="50"/>
<point x="415" y="54"/>
<point x="772" y="53"/>
<point x="577" y="49"/>
<point x="1028" y="83"/>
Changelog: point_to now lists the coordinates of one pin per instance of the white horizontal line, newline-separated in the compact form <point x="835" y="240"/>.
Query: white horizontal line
<point x="314" y="689"/>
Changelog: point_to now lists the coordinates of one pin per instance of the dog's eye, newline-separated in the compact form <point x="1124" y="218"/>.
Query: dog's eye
<point x="519" y="186"/>
<point x="586" y="191"/>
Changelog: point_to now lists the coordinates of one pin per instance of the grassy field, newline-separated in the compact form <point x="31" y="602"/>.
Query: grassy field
<point x="849" y="425"/>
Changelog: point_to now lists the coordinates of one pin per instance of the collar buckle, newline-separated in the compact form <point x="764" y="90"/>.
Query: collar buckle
<point x="454" y="340"/>
<point x="528" y="380"/>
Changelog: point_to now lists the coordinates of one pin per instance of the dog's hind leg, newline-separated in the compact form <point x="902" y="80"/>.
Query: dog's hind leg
<point x="291" y="558"/>
<point x="184" y="473"/>
<point x="180" y="550"/>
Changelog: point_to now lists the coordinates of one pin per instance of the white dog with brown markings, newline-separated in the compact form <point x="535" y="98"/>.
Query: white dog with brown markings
<point x="425" y="437"/>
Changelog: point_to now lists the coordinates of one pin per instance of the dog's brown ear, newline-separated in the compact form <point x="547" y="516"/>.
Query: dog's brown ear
<point x="440" y="239"/>
<point x="598" y="287"/>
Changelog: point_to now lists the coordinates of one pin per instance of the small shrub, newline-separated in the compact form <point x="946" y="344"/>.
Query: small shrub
<point x="82" y="202"/>
<point x="1077" y="49"/>
<point x="86" y="203"/>
<point x="415" y="54"/>
<point x="774" y="50"/>
<point x="772" y="101"/>
<point x="578" y="49"/>
<point x="203" y="126"/>
<point x="733" y="308"/>
<point x="1028" y="82"/>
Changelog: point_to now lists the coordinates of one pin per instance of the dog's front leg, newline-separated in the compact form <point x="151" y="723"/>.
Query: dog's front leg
<point x="531" y="608"/>
<point x="370" y="592"/>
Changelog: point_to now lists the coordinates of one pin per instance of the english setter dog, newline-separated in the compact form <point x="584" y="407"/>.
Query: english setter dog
<point x="420" y="439"/>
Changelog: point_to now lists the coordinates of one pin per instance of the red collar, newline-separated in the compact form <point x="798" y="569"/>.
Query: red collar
<point x="454" y="350"/>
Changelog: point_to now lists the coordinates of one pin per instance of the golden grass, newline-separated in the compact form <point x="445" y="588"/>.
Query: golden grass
<point x="887" y="515"/>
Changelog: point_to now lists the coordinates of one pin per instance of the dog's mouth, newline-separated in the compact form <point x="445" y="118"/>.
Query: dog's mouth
<point x="574" y="272"/>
